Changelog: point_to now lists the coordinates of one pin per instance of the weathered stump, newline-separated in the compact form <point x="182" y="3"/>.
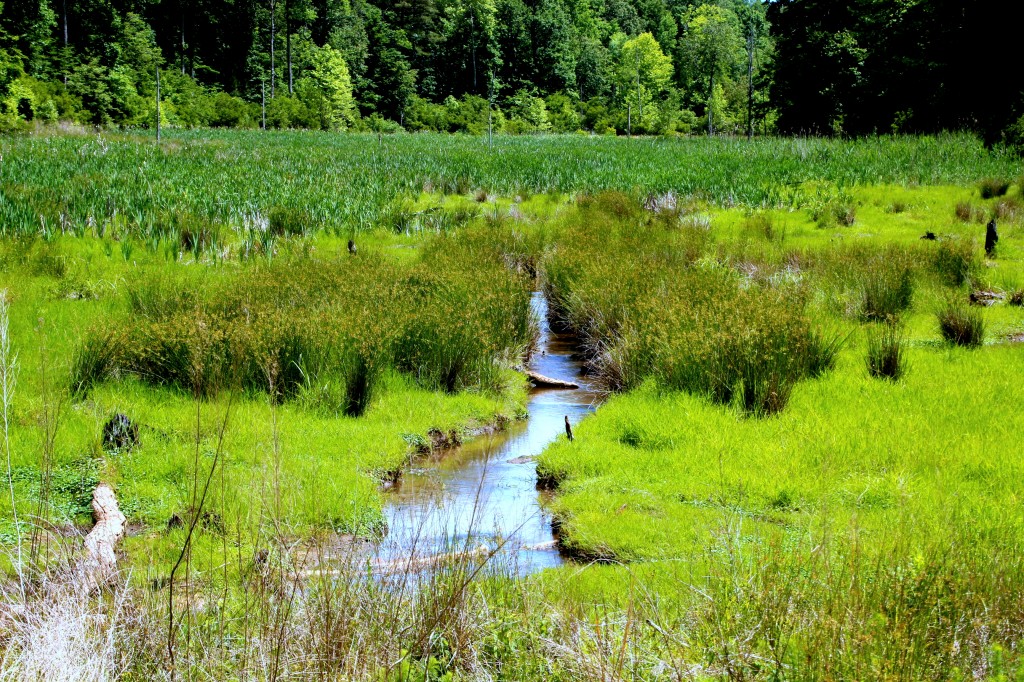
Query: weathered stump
<point x="120" y="433"/>
<point x="100" y="564"/>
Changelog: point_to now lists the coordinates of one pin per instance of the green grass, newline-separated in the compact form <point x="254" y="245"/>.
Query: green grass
<point x="772" y="510"/>
<point x="330" y="466"/>
<point x="218" y="181"/>
<point x="653" y="475"/>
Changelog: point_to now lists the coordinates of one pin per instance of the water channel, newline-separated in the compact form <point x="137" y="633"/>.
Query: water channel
<point x="485" y="492"/>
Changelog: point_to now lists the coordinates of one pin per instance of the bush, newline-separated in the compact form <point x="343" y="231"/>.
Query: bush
<point x="232" y="112"/>
<point x="527" y="114"/>
<point x="562" y="113"/>
<point x="886" y="357"/>
<point x="962" y="325"/>
<point x="285" y="111"/>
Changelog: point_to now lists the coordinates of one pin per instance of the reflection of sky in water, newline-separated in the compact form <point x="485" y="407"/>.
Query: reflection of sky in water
<point x="477" y="488"/>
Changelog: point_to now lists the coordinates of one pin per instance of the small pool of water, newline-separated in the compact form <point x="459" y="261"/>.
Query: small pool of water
<point x="485" y="491"/>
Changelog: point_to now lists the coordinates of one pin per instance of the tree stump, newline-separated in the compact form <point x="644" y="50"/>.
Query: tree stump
<point x="991" y="239"/>
<point x="100" y="563"/>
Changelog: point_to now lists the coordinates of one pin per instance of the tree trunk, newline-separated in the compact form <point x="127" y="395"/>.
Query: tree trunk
<point x="288" y="40"/>
<point x="273" y="75"/>
<point x="711" y="98"/>
<point x="750" y="84"/>
<point x="472" y="42"/>
<point x="100" y="565"/>
<point x="182" y="43"/>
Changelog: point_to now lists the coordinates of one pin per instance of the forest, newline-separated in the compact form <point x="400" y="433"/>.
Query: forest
<point x="651" y="67"/>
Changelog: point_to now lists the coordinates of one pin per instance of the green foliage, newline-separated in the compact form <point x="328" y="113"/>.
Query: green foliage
<point x="327" y="90"/>
<point x="643" y="64"/>
<point x="956" y="261"/>
<point x="631" y="288"/>
<point x="962" y="325"/>
<point x="527" y="114"/>
<point x="886" y="356"/>
<point x="320" y="329"/>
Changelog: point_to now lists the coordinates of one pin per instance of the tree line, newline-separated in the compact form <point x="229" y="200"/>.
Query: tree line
<point x="518" y="66"/>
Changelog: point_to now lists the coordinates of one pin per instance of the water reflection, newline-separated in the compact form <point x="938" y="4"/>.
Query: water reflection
<point x="486" y="490"/>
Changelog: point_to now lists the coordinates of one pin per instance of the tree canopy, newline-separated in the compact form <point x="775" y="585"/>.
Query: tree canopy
<point x="658" y="66"/>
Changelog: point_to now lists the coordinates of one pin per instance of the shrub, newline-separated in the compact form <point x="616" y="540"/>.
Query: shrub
<point x="956" y="261"/>
<point x="287" y="111"/>
<point x="962" y="325"/>
<point x="1009" y="208"/>
<point x="993" y="187"/>
<point x="232" y="112"/>
<point x="886" y="357"/>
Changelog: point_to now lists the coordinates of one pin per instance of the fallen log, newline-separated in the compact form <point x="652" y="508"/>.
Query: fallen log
<point x="100" y="564"/>
<point x="410" y="564"/>
<point x="541" y="381"/>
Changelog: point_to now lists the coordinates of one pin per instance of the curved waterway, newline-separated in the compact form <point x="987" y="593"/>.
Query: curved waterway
<point x="485" y="492"/>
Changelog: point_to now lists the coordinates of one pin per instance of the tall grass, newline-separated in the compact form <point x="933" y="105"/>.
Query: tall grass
<point x="323" y="329"/>
<point x="8" y="381"/>
<point x="636" y="290"/>
<point x="956" y="261"/>
<point x="962" y="325"/>
<point x="112" y="185"/>
<point x="888" y="292"/>
<point x="886" y="355"/>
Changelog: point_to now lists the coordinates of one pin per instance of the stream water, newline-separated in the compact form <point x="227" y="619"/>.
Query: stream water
<point x="486" y="491"/>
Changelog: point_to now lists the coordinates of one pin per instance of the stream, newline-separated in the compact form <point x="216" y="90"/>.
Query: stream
<point x="485" y="491"/>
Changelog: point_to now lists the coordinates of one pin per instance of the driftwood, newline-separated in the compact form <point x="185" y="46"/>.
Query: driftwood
<point x="541" y="381"/>
<point x="100" y="563"/>
<point x="410" y="564"/>
<point x="413" y="564"/>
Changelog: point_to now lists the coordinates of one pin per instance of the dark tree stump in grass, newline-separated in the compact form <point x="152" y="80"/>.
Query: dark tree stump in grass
<point x="991" y="239"/>
<point x="120" y="433"/>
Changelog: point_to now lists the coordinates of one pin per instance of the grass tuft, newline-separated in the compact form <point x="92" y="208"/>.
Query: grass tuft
<point x="886" y="358"/>
<point x="993" y="187"/>
<point x="888" y="291"/>
<point x="962" y="325"/>
<point x="969" y="213"/>
<point x="956" y="261"/>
